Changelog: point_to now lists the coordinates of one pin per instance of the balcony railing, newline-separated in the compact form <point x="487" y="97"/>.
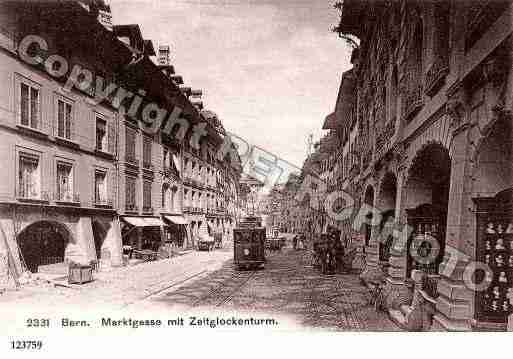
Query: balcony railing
<point x="147" y="165"/>
<point x="67" y="197"/>
<point x="42" y="196"/>
<point x="103" y="202"/>
<point x="130" y="207"/>
<point x="131" y="159"/>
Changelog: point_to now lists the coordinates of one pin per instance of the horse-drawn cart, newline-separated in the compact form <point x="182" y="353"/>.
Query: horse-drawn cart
<point x="205" y="243"/>
<point x="274" y="244"/>
<point x="218" y="240"/>
<point x="330" y="256"/>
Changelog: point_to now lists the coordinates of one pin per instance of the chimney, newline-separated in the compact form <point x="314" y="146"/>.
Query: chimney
<point x="101" y="10"/>
<point x="164" y="55"/>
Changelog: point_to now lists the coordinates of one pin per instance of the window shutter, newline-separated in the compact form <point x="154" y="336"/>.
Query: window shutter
<point x="68" y="119"/>
<point x="112" y="189"/>
<point x="60" y="118"/>
<point x="112" y="138"/>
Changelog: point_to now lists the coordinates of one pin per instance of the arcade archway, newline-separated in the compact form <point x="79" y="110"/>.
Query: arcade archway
<point x="493" y="197"/>
<point x="368" y="200"/>
<point x="387" y="205"/>
<point x="427" y="200"/>
<point x="43" y="243"/>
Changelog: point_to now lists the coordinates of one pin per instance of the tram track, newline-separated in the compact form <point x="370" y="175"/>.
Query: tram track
<point x="167" y="287"/>
<point x="246" y="276"/>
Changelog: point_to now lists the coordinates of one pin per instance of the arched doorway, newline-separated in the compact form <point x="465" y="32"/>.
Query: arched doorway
<point x="427" y="200"/>
<point x="493" y="197"/>
<point x="368" y="200"/>
<point x="43" y="243"/>
<point x="387" y="204"/>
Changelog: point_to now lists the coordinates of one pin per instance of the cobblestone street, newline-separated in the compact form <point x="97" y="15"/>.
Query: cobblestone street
<point x="288" y="286"/>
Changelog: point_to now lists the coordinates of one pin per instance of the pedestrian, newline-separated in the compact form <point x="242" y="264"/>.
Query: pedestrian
<point x="339" y="254"/>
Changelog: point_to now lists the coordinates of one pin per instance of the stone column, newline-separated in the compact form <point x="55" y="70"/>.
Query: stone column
<point x="396" y="289"/>
<point x="454" y="304"/>
<point x="510" y="318"/>
<point x="83" y="252"/>
<point x="114" y="245"/>
<point x="372" y="273"/>
<point x="8" y="245"/>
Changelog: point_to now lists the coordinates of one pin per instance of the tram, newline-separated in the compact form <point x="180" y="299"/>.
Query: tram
<point x="249" y="243"/>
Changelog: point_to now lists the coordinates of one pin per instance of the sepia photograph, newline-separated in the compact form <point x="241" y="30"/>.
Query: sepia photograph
<point x="185" y="168"/>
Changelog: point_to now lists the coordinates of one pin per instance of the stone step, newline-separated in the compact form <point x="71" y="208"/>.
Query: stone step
<point x="398" y="317"/>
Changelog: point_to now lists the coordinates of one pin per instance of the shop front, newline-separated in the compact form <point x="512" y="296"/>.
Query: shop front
<point x="143" y="238"/>
<point x="176" y="231"/>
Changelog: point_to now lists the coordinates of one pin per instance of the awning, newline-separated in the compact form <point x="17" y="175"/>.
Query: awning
<point x="144" y="221"/>
<point x="176" y="219"/>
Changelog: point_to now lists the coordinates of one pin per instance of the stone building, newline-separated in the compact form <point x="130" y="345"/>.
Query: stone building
<point x="83" y="175"/>
<point x="59" y="150"/>
<point x="430" y="119"/>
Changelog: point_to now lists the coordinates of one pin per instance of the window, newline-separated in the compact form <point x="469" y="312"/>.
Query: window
<point x="147" y="152"/>
<point x="147" y="196"/>
<point x="29" y="176"/>
<point x="130" y="138"/>
<point x="100" y="187"/>
<point x="164" y="196"/>
<point x="130" y="193"/>
<point x="64" y="119"/>
<point x="165" y="159"/>
<point x="186" y="197"/>
<point x="30" y="104"/>
<point x="64" y="182"/>
<point x="174" y="206"/>
<point x="101" y="134"/>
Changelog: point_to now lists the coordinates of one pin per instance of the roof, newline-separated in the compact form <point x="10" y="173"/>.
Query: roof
<point x="345" y="102"/>
<point x="133" y="32"/>
<point x="351" y="18"/>
<point x="149" y="50"/>
<point x="330" y="122"/>
<point x="346" y="98"/>
<point x="71" y="23"/>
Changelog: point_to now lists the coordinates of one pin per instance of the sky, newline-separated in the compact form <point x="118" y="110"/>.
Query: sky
<point x="270" y="69"/>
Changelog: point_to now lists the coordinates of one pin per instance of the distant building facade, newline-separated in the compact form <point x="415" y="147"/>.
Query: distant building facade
<point x="425" y="124"/>
<point x="86" y="177"/>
